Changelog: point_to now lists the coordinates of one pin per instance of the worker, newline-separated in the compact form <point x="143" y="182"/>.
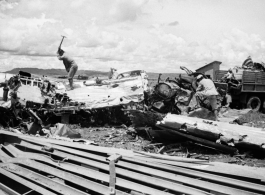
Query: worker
<point x="70" y="66"/>
<point x="228" y="76"/>
<point x="206" y="88"/>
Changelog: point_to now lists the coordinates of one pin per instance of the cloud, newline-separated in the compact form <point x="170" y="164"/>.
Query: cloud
<point x="237" y="46"/>
<point x="34" y="26"/>
<point x="7" y="5"/>
<point x="232" y="49"/>
<point x="123" y="10"/>
<point x="26" y="36"/>
<point x="113" y="33"/>
<point x="175" y="23"/>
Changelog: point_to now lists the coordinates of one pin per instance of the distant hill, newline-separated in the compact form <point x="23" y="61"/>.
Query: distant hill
<point x="89" y="73"/>
<point x="56" y="72"/>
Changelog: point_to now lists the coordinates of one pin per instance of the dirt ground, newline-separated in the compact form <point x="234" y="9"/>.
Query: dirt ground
<point x="127" y="138"/>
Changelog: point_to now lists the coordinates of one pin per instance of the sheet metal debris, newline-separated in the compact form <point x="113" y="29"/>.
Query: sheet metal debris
<point x="82" y="171"/>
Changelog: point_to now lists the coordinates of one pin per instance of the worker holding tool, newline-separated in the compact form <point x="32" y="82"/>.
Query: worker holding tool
<point x="69" y="63"/>
<point x="206" y="88"/>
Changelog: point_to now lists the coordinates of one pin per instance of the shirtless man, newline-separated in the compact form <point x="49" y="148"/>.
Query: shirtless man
<point x="70" y="66"/>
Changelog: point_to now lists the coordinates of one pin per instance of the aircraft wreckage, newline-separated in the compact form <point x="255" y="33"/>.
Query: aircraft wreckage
<point x="95" y="98"/>
<point x="123" y="100"/>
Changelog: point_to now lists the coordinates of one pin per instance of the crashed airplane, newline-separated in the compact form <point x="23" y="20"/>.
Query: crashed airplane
<point x="27" y="91"/>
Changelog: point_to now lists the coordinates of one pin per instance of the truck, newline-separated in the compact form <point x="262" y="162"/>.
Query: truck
<point x="248" y="88"/>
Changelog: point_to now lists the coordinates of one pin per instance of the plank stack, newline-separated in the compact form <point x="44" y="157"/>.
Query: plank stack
<point x="34" y="165"/>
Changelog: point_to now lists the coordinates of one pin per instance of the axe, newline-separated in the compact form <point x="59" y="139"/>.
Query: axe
<point x="59" y="48"/>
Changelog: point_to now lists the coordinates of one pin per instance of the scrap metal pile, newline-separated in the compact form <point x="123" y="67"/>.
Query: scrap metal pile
<point x="93" y="104"/>
<point x="31" y="165"/>
<point x="41" y="165"/>
<point x="35" y="103"/>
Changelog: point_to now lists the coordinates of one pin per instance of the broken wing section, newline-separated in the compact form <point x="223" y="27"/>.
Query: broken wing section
<point x="108" y="95"/>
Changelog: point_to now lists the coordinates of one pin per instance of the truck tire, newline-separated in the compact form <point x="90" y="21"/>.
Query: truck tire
<point x="254" y="103"/>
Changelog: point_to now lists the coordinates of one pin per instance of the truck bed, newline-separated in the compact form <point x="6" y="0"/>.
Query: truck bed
<point x="253" y="81"/>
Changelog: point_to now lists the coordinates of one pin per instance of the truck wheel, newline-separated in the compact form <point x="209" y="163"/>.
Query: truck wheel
<point x="254" y="103"/>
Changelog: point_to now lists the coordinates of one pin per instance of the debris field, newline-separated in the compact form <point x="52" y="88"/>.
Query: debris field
<point x="118" y="137"/>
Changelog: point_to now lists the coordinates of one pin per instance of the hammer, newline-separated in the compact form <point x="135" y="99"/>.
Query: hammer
<point x="112" y="160"/>
<point x="61" y="42"/>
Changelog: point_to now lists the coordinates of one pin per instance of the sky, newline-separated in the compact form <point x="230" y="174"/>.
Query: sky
<point x="153" y="35"/>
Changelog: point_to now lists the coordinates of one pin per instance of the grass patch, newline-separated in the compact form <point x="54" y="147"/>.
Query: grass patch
<point x="257" y="119"/>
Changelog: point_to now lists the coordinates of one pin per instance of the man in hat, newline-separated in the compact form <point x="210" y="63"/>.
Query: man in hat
<point x="70" y="66"/>
<point x="206" y="88"/>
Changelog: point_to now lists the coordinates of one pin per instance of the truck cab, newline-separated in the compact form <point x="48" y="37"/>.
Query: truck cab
<point x="249" y="89"/>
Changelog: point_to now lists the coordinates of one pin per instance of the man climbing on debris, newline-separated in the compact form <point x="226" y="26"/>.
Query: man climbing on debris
<point x="228" y="76"/>
<point x="206" y="89"/>
<point x="70" y="66"/>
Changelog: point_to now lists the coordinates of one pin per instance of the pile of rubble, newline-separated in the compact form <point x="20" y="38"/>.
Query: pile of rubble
<point x="37" y="106"/>
<point x="156" y="127"/>
<point x="44" y="102"/>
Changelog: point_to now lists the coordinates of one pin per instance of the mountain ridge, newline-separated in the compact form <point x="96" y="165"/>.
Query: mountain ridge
<point x="89" y="73"/>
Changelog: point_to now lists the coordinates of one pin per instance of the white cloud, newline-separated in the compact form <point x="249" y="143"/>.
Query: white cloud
<point x="235" y="47"/>
<point x="21" y="35"/>
<point x="124" y="10"/>
<point x="119" y="33"/>
<point x="4" y="5"/>
<point x="175" y="23"/>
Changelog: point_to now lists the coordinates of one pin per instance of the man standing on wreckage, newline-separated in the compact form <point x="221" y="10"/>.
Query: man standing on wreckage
<point x="70" y="66"/>
<point x="206" y="88"/>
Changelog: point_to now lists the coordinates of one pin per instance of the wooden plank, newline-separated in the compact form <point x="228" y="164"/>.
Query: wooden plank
<point x="25" y="182"/>
<point x="181" y="179"/>
<point x="56" y="186"/>
<point x="119" y="182"/>
<point x="14" y="138"/>
<point x="244" y="173"/>
<point x="65" y="176"/>
<point x="3" y="154"/>
<point x="98" y="149"/>
<point x="8" y="190"/>
<point x="161" y="174"/>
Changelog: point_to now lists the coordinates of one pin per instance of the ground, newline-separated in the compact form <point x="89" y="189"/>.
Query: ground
<point x="127" y="138"/>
